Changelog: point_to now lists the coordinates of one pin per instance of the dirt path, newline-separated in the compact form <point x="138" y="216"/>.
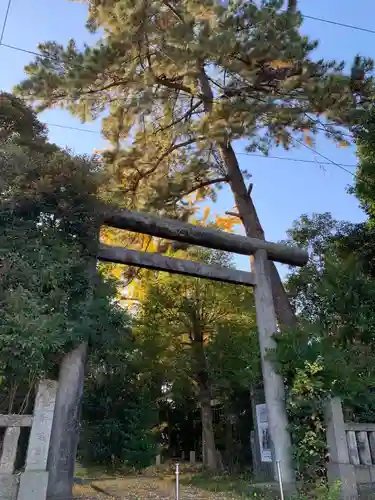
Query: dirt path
<point x="146" y="489"/>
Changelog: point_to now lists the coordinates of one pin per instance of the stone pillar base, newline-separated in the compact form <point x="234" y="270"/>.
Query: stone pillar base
<point x="345" y="475"/>
<point x="8" y="486"/>
<point x="33" y="485"/>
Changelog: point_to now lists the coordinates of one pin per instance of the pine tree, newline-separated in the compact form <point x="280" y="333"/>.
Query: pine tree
<point x="186" y="80"/>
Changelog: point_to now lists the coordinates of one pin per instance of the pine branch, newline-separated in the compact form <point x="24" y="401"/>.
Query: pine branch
<point x="233" y="214"/>
<point x="209" y="182"/>
<point x="172" y="85"/>
<point x="170" y="150"/>
<point x="206" y="90"/>
<point x="106" y="87"/>
<point x="177" y="14"/>
<point x="182" y="118"/>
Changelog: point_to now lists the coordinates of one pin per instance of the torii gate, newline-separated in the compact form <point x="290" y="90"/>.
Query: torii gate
<point x="259" y="279"/>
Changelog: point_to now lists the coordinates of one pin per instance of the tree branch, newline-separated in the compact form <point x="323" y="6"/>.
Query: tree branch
<point x="177" y="14"/>
<point x="234" y="214"/>
<point x="292" y="6"/>
<point x="173" y="85"/>
<point x="181" y="118"/>
<point x="169" y="151"/>
<point x="205" y="184"/>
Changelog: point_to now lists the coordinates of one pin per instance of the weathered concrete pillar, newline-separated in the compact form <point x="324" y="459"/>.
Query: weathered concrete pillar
<point x="158" y="460"/>
<point x="9" y="481"/>
<point x="273" y="382"/>
<point x="192" y="457"/>
<point x="10" y="443"/>
<point x="339" y="467"/>
<point x="64" y="439"/>
<point x="34" y="481"/>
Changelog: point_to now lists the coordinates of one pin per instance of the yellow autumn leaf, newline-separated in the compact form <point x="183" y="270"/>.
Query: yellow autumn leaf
<point x="117" y="272"/>
<point x="227" y="223"/>
<point x="278" y="64"/>
<point x="343" y="144"/>
<point x="206" y="213"/>
<point x="308" y="140"/>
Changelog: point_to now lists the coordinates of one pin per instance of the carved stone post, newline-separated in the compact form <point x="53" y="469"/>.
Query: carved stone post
<point x="339" y="467"/>
<point x="34" y="481"/>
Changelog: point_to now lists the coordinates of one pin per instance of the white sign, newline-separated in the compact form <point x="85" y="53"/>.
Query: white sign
<point x="263" y="433"/>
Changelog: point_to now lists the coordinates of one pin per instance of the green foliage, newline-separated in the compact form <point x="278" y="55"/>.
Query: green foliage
<point x="19" y="123"/>
<point x="48" y="298"/>
<point x="119" y="413"/>
<point x="45" y="235"/>
<point x="364" y="187"/>
<point x="174" y="307"/>
<point x="331" y="353"/>
<point x="321" y="491"/>
<point x="190" y="330"/>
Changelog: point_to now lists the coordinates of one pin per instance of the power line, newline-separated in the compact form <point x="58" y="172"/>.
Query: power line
<point x="338" y="23"/>
<point x="342" y="167"/>
<point x="90" y="131"/>
<point x="20" y="49"/>
<point x="258" y="155"/>
<point x="5" y="21"/>
<point x="298" y="160"/>
<point x="313" y="18"/>
<point x="68" y="127"/>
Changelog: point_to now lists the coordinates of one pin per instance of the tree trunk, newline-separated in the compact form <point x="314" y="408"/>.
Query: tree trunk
<point x="253" y="228"/>
<point x="65" y="428"/>
<point x="246" y="208"/>
<point x="230" y="452"/>
<point x="208" y="436"/>
<point x="209" y="454"/>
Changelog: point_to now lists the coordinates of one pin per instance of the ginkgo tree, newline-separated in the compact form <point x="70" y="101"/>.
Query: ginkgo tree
<point x="184" y="80"/>
<point x="199" y="334"/>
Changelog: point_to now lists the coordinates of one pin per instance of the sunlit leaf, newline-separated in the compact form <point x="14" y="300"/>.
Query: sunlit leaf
<point x="206" y="213"/>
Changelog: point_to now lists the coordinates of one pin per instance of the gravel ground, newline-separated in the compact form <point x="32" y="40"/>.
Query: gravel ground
<point x="144" y="489"/>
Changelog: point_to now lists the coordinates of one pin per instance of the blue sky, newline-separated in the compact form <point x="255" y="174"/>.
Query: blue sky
<point x="283" y="190"/>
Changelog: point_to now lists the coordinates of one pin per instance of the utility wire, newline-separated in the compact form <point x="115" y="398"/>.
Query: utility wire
<point x="306" y="16"/>
<point x="68" y="127"/>
<point x="338" y="23"/>
<point x="20" y="49"/>
<point x="5" y="22"/>
<point x="257" y="155"/>
<point x="342" y="167"/>
<point x="90" y="131"/>
<point x="298" y="160"/>
<point x="313" y="18"/>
